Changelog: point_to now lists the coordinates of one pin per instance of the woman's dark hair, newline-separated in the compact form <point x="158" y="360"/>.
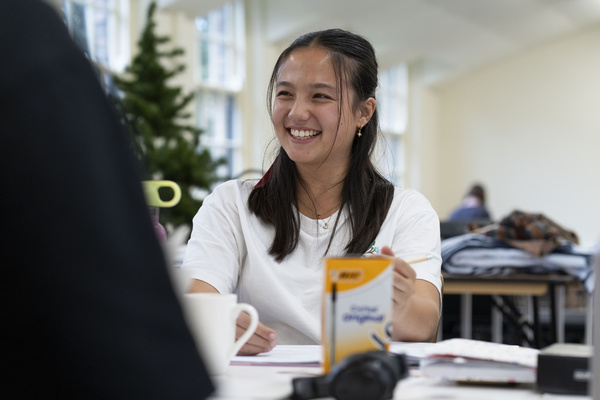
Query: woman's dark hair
<point x="478" y="191"/>
<point x="366" y="194"/>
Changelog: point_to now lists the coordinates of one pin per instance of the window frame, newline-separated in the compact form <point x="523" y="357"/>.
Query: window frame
<point x="117" y="31"/>
<point x="228" y="143"/>
<point x="393" y="100"/>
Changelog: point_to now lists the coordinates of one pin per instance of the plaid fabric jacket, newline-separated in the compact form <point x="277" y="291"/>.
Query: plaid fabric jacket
<point x="534" y="233"/>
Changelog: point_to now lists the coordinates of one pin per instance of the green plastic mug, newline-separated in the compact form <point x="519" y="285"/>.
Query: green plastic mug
<point x="153" y="198"/>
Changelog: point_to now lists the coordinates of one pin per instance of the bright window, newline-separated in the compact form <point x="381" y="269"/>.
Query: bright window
<point x="99" y="27"/>
<point x="218" y="117"/>
<point x="220" y="76"/>
<point x="392" y="102"/>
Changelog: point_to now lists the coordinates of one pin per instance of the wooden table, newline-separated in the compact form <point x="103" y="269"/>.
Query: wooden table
<point x="529" y="285"/>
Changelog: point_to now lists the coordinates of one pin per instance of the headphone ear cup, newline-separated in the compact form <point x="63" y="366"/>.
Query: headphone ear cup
<point x="371" y="376"/>
<point x="367" y="376"/>
<point x="358" y="383"/>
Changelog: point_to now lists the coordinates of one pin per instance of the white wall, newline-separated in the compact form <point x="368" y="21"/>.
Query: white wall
<point x="528" y="127"/>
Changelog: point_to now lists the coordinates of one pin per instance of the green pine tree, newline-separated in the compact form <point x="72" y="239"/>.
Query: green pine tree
<point x="153" y="112"/>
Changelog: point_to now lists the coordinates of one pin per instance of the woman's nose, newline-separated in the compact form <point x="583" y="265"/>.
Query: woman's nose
<point x="299" y="111"/>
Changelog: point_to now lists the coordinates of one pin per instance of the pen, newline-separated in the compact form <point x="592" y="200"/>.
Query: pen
<point x="419" y="259"/>
<point x="333" y="313"/>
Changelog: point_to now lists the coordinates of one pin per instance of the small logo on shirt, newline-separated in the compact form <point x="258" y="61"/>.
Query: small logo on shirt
<point x="373" y="249"/>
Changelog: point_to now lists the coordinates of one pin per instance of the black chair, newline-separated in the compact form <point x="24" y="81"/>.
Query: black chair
<point x="455" y="228"/>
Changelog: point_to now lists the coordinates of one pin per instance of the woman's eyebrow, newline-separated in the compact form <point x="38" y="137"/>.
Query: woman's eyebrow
<point x="283" y="83"/>
<point x="319" y="85"/>
<point x="323" y="86"/>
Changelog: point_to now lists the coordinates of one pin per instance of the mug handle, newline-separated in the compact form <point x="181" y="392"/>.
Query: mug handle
<point x="236" y="310"/>
<point x="152" y="197"/>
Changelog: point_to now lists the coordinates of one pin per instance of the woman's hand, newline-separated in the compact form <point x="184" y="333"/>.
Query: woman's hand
<point x="264" y="339"/>
<point x="404" y="279"/>
<point x="416" y="309"/>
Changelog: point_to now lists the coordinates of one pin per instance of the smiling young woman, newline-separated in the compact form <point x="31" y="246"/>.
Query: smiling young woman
<point x="322" y="196"/>
<point x="314" y="123"/>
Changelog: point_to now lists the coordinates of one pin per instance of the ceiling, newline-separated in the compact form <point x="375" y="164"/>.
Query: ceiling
<point x="456" y="35"/>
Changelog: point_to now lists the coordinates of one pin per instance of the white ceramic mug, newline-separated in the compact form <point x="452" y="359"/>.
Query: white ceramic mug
<point x="212" y="320"/>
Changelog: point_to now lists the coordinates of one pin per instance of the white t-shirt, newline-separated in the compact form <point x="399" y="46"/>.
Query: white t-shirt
<point x="229" y="249"/>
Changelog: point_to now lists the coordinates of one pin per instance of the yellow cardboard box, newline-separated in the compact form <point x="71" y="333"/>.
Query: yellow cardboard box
<point x="357" y="307"/>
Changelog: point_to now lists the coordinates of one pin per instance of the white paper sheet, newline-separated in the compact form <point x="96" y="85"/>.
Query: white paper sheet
<point x="309" y="355"/>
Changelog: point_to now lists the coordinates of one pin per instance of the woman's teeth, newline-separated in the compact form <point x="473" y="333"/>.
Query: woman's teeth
<point x="303" y="134"/>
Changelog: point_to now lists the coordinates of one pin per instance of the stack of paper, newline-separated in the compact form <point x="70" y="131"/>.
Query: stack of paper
<point x="478" y="361"/>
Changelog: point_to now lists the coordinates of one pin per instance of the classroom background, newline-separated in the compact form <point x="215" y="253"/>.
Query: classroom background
<point x="503" y="93"/>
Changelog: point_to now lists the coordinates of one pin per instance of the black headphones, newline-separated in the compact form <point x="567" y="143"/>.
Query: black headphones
<point x="372" y="375"/>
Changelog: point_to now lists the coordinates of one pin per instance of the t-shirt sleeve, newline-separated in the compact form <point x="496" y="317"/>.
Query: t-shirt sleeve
<point x="418" y="234"/>
<point x="216" y="248"/>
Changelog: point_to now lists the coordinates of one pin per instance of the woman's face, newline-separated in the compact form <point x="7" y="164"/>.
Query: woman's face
<point x="306" y="111"/>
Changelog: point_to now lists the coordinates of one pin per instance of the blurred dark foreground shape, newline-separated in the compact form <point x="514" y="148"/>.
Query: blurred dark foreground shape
<point x="86" y="304"/>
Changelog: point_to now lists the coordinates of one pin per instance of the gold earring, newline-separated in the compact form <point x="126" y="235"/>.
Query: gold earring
<point x="358" y="133"/>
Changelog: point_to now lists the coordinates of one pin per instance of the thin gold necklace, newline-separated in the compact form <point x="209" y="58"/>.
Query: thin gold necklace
<point x="325" y="223"/>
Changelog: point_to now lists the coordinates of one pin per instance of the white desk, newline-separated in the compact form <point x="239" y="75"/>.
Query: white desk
<point x="258" y="382"/>
<point x="274" y="383"/>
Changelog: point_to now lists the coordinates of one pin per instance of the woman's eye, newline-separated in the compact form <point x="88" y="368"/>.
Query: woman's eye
<point x="283" y="93"/>
<point x="322" y="96"/>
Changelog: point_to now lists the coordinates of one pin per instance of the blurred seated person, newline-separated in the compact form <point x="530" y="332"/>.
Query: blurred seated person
<point x="472" y="207"/>
<point x="86" y="302"/>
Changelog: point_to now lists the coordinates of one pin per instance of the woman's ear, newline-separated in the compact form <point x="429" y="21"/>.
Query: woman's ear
<point x="366" y="111"/>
